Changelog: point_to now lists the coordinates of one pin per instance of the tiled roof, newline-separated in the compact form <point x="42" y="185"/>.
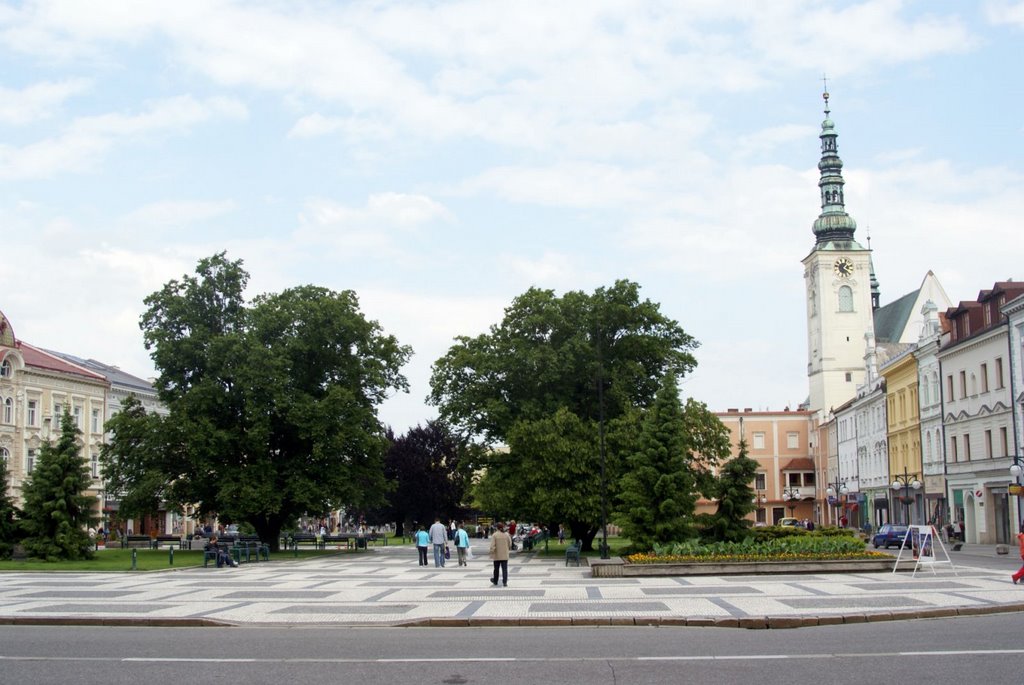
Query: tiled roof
<point x="113" y="374"/>
<point x="799" y="464"/>
<point x="41" y="359"/>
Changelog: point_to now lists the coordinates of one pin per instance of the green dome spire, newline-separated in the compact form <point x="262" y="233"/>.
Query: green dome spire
<point x="833" y="225"/>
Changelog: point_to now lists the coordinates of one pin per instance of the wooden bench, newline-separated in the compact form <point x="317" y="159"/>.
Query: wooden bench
<point x="136" y="541"/>
<point x="169" y="540"/>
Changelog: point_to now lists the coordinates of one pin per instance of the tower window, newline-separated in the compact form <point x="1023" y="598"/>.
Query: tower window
<point x="846" y="299"/>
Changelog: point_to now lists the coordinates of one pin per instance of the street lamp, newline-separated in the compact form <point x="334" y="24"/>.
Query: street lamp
<point x="834" y="490"/>
<point x="791" y="497"/>
<point x="906" y="482"/>
<point x="759" y="501"/>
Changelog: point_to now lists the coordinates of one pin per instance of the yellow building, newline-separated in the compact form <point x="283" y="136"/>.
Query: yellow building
<point x="904" y="437"/>
<point x="35" y="389"/>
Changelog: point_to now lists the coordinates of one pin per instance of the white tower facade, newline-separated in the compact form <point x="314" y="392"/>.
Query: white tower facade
<point x="841" y="289"/>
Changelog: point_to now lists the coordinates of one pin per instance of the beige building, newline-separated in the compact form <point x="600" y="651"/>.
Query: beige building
<point x="780" y="442"/>
<point x="36" y="387"/>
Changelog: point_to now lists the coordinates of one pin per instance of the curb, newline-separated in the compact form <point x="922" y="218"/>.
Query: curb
<point x="746" y="622"/>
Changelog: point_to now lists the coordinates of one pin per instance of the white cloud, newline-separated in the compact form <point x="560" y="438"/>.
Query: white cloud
<point x="38" y="100"/>
<point x="1006" y="13"/>
<point x="178" y="212"/>
<point x="86" y="139"/>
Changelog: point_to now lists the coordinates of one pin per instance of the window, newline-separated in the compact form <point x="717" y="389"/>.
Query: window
<point x="77" y="414"/>
<point x="95" y="420"/>
<point x="759" y="481"/>
<point x="963" y="384"/>
<point x="809" y="479"/>
<point x="30" y="460"/>
<point x="8" y="410"/>
<point x="846" y="299"/>
<point x="949" y="389"/>
<point x="793" y="479"/>
<point x="792" y="440"/>
<point x="967" y="447"/>
<point x="999" y="373"/>
<point x="5" y="369"/>
<point x="988" y="444"/>
<point x="849" y="377"/>
<point x="758" y="441"/>
<point x="952" y="448"/>
<point x="30" y="418"/>
<point x="1004" y="442"/>
<point x="984" y="377"/>
<point x="4" y="455"/>
<point x="94" y="464"/>
<point x="58" y="415"/>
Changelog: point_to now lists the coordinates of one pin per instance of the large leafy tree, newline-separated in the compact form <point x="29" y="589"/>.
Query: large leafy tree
<point x="555" y="361"/>
<point x="430" y="470"/>
<point x="735" y="498"/>
<point x="8" y="513"/>
<point x="56" y="512"/>
<point x="272" y="406"/>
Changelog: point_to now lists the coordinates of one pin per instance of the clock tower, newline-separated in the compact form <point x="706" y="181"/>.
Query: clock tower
<point x="839" y="279"/>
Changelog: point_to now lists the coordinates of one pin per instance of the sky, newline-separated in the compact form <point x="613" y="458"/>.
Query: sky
<point x="440" y="158"/>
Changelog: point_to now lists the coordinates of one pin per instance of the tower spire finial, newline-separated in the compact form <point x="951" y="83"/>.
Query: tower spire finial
<point x="824" y="81"/>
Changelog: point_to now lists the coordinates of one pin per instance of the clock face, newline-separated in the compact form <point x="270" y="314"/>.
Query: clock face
<point x="843" y="267"/>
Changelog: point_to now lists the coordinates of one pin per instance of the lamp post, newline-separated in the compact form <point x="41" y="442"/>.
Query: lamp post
<point x="905" y="482"/>
<point x="759" y="501"/>
<point x="834" y="490"/>
<point x="791" y="497"/>
<point x="1016" y="469"/>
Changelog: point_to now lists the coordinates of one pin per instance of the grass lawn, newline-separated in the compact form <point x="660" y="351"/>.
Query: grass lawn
<point x="147" y="560"/>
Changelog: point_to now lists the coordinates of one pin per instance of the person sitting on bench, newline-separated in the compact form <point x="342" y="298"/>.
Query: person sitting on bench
<point x="223" y="558"/>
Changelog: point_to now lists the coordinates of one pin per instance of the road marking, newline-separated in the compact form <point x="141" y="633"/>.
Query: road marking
<point x="489" y="659"/>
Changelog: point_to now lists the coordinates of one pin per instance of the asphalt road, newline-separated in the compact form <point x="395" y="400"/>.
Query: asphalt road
<point x="984" y="649"/>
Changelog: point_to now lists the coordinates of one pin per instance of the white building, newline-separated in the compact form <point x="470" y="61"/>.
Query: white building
<point x="933" y="460"/>
<point x="977" y="414"/>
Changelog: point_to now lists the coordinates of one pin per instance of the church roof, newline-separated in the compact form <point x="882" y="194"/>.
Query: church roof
<point x="891" y="320"/>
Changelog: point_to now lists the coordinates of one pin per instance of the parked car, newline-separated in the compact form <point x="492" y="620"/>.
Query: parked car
<point x="890" y="535"/>
<point x="789" y="522"/>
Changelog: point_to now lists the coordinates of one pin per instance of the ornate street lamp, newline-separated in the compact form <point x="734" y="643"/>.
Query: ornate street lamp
<point x="905" y="482"/>
<point x="791" y="497"/>
<point x="833" y="491"/>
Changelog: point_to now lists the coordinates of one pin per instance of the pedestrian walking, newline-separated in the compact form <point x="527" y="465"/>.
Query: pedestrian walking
<point x="501" y="543"/>
<point x="1020" y="541"/>
<point x="462" y="544"/>
<point x="439" y="538"/>
<point x="561" y="534"/>
<point x="422" y="542"/>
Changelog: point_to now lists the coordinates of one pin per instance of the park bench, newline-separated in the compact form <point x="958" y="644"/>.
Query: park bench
<point x="231" y="550"/>
<point x="293" y="540"/>
<point x="572" y="553"/>
<point x="136" y="541"/>
<point x="169" y="540"/>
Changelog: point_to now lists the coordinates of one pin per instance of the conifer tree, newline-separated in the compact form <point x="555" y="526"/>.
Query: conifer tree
<point x="56" y="513"/>
<point x="735" y="497"/>
<point x="660" y="488"/>
<point x="8" y="526"/>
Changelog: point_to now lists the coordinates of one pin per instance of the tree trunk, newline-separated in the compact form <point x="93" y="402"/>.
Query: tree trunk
<point x="269" y="530"/>
<point x="584" y="532"/>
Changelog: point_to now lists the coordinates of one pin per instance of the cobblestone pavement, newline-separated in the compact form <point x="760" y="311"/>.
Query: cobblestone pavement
<point x="385" y="586"/>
